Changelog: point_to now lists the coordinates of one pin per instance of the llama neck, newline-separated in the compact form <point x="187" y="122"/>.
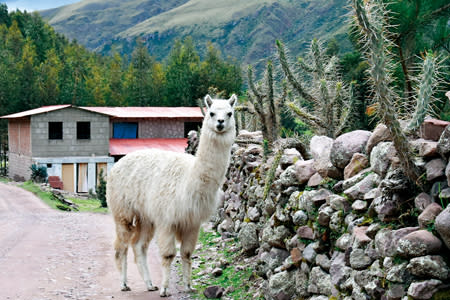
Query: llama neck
<point x="213" y="156"/>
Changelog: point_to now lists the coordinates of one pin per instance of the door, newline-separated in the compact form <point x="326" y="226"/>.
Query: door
<point x="68" y="177"/>
<point x="82" y="178"/>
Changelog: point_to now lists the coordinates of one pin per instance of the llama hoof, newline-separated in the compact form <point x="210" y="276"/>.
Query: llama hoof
<point x="164" y="292"/>
<point x="190" y="289"/>
<point x="125" y="288"/>
<point x="152" y="288"/>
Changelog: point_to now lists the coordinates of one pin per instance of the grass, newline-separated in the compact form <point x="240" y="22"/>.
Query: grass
<point x="84" y="205"/>
<point x="239" y="280"/>
<point x="4" y="179"/>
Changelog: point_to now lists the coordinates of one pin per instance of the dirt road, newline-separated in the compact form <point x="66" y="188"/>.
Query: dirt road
<point x="46" y="254"/>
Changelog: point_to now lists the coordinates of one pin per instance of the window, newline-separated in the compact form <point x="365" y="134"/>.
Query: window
<point x="125" y="130"/>
<point x="83" y="130"/>
<point x="55" y="130"/>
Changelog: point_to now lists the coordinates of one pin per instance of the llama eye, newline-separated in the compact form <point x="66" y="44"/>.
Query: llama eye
<point x="230" y="114"/>
<point x="211" y="114"/>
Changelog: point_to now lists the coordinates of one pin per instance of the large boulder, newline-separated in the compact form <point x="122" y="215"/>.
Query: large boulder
<point x="432" y="129"/>
<point x="346" y="145"/>
<point x="442" y="225"/>
<point x="386" y="240"/>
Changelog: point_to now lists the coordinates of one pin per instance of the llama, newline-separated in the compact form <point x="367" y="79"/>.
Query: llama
<point x="170" y="194"/>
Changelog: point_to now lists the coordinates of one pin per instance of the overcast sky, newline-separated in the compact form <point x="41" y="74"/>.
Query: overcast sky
<point x="32" y="5"/>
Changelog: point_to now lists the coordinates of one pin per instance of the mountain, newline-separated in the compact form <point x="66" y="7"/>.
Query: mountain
<point x="245" y="30"/>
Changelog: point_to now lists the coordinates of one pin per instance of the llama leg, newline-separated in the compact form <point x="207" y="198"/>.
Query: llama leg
<point x="166" y="242"/>
<point x="188" y="242"/>
<point x="121" y="262"/>
<point x="140" y="255"/>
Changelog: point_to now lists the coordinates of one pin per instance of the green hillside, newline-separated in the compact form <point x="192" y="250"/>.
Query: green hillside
<point x="242" y="29"/>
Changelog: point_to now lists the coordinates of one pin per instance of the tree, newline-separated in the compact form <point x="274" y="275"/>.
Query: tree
<point x="144" y="79"/>
<point x="182" y="74"/>
<point x="47" y="79"/>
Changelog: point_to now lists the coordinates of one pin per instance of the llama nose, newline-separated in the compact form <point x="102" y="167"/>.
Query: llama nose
<point x="221" y="121"/>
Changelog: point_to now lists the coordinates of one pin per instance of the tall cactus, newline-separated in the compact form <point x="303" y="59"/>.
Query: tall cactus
<point x="326" y="95"/>
<point x="370" y="16"/>
<point x="266" y="104"/>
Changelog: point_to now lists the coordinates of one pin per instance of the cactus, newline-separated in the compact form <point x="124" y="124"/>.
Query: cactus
<point x="328" y="94"/>
<point x="427" y="81"/>
<point x="371" y="16"/>
<point x="265" y="104"/>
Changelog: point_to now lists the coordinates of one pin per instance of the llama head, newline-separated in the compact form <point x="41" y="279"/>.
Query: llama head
<point x="220" y="115"/>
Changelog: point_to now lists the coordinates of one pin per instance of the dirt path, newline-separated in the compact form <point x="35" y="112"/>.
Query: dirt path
<point x="46" y="254"/>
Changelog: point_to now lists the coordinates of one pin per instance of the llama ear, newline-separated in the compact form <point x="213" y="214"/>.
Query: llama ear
<point x="233" y="100"/>
<point x="208" y="101"/>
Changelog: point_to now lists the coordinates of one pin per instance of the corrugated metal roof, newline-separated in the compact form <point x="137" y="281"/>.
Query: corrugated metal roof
<point x="35" y="111"/>
<point x="148" y="112"/>
<point x="121" y="112"/>
<point x="125" y="146"/>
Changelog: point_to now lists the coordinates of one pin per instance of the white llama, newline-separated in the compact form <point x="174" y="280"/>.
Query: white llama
<point x="169" y="194"/>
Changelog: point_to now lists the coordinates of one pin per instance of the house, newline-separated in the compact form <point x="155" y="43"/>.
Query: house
<point x="76" y="143"/>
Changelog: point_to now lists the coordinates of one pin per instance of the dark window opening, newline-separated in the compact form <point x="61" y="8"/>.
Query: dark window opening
<point x="188" y="126"/>
<point x="49" y="166"/>
<point x="125" y="130"/>
<point x="83" y="130"/>
<point x="55" y="130"/>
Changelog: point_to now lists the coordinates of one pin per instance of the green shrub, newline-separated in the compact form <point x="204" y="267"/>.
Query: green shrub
<point x="101" y="190"/>
<point x="38" y="173"/>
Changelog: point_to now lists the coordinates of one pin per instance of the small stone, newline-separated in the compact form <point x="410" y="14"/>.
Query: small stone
<point x="309" y="253"/>
<point x="432" y="129"/>
<point x="359" y="206"/>
<point x="304" y="169"/>
<point x="323" y="261"/>
<point x="430" y="266"/>
<point x="253" y="214"/>
<point x="380" y="134"/>
<point x="315" y="180"/>
<point x="300" y="217"/>
<point x="435" y="169"/>
<point x="319" y="282"/>
<point x="423" y="289"/>
<point x="305" y="232"/>
<point x="397" y="273"/>
<point x="359" y="260"/>
<point x="296" y="256"/>
<point x="217" y="272"/>
<point x="428" y="216"/>
<point x="442" y="225"/>
<point x="214" y="291"/>
<point x="248" y="236"/>
<point x="358" y="163"/>
<point x="419" y="243"/>
<point x="422" y="201"/>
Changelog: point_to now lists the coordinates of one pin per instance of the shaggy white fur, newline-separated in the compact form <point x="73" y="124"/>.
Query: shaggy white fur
<point x="171" y="194"/>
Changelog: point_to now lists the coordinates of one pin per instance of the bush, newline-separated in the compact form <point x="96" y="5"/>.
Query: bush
<point x="101" y="189"/>
<point x="38" y="173"/>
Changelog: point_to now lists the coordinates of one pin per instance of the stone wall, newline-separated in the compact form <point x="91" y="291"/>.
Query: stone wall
<point x="345" y="224"/>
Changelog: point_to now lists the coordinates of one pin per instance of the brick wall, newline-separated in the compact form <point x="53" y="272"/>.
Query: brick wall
<point x="19" y="166"/>
<point x="97" y="145"/>
<point x="159" y="128"/>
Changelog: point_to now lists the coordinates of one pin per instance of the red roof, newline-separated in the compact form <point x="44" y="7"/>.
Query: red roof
<point x="122" y="112"/>
<point x="125" y="146"/>
<point x="148" y="112"/>
<point x="35" y="111"/>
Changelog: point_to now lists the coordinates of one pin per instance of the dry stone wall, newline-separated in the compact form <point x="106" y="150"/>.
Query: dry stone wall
<point x="343" y="224"/>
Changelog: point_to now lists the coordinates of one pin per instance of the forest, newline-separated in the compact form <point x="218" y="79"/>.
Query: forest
<point x="39" y="66"/>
